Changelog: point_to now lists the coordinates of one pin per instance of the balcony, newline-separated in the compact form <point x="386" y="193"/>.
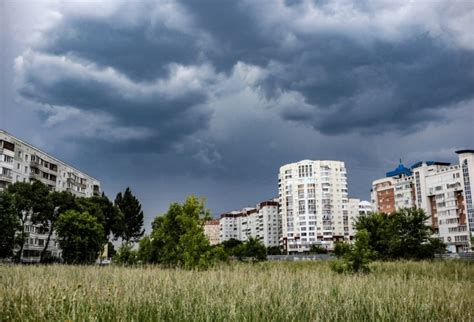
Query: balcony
<point x="39" y="177"/>
<point x="52" y="168"/>
<point x="6" y="177"/>
<point x="76" y="183"/>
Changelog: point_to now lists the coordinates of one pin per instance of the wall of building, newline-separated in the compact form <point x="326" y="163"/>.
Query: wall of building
<point x="314" y="204"/>
<point x="22" y="162"/>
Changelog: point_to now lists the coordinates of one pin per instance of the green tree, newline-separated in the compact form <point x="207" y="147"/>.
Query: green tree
<point x="377" y="225"/>
<point x="178" y="238"/>
<point x="318" y="249"/>
<point x="402" y="234"/>
<point x="231" y="246"/>
<point x="9" y="225"/>
<point x="410" y="236"/>
<point x="274" y="250"/>
<point x="108" y="214"/>
<point x="253" y="249"/>
<point x="357" y="257"/>
<point x="28" y="200"/>
<point x="56" y="203"/>
<point x="126" y="255"/>
<point x="80" y="237"/>
<point x="341" y="248"/>
<point x="132" y="215"/>
<point x="145" y="250"/>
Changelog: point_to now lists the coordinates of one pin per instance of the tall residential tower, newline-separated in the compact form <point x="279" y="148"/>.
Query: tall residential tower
<point x="314" y="205"/>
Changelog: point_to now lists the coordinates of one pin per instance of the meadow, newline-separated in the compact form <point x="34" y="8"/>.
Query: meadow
<point x="277" y="291"/>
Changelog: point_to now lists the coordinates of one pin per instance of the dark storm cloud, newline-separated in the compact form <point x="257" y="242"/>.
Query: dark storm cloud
<point x="346" y="81"/>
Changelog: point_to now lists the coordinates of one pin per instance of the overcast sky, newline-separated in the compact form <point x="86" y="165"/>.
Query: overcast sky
<point x="210" y="98"/>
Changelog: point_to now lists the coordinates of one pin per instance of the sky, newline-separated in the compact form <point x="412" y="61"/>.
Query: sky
<point x="210" y="98"/>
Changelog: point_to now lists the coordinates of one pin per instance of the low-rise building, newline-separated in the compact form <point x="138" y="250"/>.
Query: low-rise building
<point x="211" y="230"/>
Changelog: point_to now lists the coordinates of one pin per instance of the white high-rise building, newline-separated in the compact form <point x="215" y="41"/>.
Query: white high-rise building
<point x="442" y="190"/>
<point x="261" y="222"/>
<point x="314" y="205"/>
<point x="22" y="162"/>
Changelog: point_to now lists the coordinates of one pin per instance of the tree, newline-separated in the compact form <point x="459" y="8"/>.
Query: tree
<point x="252" y="249"/>
<point x="274" y="250"/>
<point x="355" y="258"/>
<point x="56" y="203"/>
<point x="80" y="237"/>
<point x="318" y="249"/>
<point x="132" y="214"/>
<point x="402" y="234"/>
<point x="178" y="238"/>
<point x="108" y="214"/>
<point x="126" y="255"/>
<point x="9" y="225"/>
<point x="28" y="200"/>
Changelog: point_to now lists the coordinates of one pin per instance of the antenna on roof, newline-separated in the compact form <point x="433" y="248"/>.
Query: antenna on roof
<point x="400" y="160"/>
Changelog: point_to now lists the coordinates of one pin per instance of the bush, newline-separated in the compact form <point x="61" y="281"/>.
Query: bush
<point x="126" y="255"/>
<point x="318" y="249"/>
<point x="356" y="258"/>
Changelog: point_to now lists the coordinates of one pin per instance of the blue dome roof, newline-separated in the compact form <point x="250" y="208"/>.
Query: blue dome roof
<point x="401" y="169"/>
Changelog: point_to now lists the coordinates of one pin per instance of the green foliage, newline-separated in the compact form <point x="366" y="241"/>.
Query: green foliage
<point x="9" y="225"/>
<point x="56" y="203"/>
<point x="126" y="255"/>
<point x="401" y="235"/>
<point x="318" y="249"/>
<point x="355" y="258"/>
<point x="145" y="250"/>
<point x="107" y="214"/>
<point x="178" y="238"/>
<point x="341" y="248"/>
<point x="28" y="200"/>
<point x="274" y="250"/>
<point x="252" y="250"/>
<point x="132" y="216"/>
<point x="80" y="237"/>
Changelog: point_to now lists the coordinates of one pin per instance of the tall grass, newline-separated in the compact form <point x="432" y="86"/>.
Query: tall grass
<point x="309" y="291"/>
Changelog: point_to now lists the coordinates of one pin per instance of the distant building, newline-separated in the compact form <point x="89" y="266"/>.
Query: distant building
<point x="261" y="222"/>
<point x="314" y="205"/>
<point x="211" y="230"/>
<point x="442" y="190"/>
<point x="365" y="207"/>
<point x="22" y="162"/>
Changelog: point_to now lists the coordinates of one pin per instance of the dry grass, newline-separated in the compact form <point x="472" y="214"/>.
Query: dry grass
<point x="310" y="291"/>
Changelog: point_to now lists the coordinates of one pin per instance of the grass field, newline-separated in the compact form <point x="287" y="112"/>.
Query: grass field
<point x="309" y="291"/>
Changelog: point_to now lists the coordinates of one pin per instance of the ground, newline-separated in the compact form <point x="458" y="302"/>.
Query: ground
<point x="277" y="291"/>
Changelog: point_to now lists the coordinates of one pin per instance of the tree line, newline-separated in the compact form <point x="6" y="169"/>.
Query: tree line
<point x="82" y="225"/>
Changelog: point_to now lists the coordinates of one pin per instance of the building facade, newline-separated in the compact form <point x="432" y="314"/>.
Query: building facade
<point x="441" y="189"/>
<point x="22" y="162"/>
<point x="211" y="230"/>
<point x="261" y="222"/>
<point x="314" y="205"/>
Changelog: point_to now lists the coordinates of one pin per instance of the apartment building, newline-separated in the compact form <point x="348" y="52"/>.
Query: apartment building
<point x="314" y="205"/>
<point x="261" y="222"/>
<point x="22" y="162"/>
<point x="441" y="189"/>
<point x="211" y="230"/>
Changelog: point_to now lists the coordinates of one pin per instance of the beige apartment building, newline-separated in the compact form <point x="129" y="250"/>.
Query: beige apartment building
<point x="261" y="222"/>
<point x="22" y="162"/>
<point x="211" y="230"/>
<point x="441" y="189"/>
